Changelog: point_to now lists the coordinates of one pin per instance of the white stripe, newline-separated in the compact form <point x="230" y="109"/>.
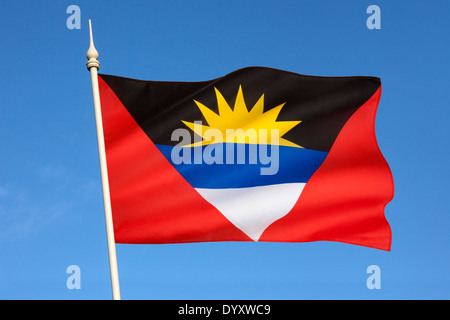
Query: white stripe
<point x="253" y="209"/>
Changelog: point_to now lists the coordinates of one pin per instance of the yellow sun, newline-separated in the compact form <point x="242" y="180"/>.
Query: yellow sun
<point x="237" y="124"/>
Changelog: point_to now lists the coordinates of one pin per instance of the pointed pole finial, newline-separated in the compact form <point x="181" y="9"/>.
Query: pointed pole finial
<point x="92" y="53"/>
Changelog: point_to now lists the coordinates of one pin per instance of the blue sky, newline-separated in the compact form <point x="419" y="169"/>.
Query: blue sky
<point x="51" y="209"/>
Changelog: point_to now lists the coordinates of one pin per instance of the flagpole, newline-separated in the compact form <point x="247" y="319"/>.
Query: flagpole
<point x="93" y="65"/>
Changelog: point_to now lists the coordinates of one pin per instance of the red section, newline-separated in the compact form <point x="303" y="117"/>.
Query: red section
<point x="151" y="202"/>
<point x="345" y="198"/>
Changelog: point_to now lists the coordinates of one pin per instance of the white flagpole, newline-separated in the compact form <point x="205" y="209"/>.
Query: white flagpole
<point x="93" y="65"/>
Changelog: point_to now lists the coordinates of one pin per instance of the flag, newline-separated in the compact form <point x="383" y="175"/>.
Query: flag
<point x="256" y="155"/>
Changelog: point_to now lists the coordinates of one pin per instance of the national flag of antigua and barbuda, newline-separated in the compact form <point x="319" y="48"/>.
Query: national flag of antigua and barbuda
<point x="257" y="155"/>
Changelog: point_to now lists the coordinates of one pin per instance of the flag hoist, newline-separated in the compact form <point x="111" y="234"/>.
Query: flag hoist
<point x="93" y="65"/>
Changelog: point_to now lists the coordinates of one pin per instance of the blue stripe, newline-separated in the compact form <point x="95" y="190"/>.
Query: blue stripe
<point x="291" y="165"/>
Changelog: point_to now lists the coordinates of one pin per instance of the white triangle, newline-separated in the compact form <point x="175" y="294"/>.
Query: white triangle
<point x="253" y="209"/>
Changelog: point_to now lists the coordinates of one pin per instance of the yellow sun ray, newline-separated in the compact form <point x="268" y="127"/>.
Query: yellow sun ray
<point x="237" y="124"/>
